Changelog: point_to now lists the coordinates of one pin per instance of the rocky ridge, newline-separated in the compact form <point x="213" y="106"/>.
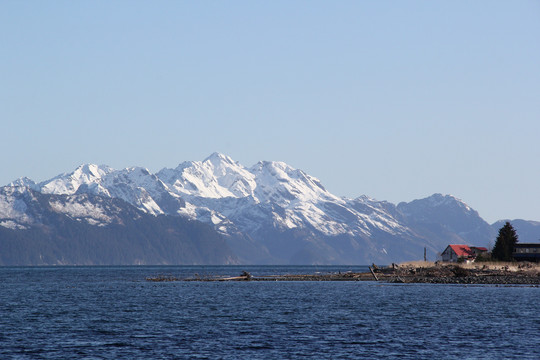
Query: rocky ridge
<point x="269" y="213"/>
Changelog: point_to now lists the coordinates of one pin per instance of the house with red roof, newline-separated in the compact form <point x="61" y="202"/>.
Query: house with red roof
<point x="453" y="253"/>
<point x="477" y="250"/>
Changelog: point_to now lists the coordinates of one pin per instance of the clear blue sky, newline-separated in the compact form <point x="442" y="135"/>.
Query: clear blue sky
<point x="393" y="99"/>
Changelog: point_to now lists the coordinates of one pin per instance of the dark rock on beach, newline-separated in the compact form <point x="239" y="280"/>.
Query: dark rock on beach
<point x="523" y="274"/>
<point x="430" y="273"/>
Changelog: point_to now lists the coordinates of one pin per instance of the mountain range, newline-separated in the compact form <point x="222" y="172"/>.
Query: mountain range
<point x="217" y="211"/>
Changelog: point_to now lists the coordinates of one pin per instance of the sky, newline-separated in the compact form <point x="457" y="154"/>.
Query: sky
<point x="396" y="100"/>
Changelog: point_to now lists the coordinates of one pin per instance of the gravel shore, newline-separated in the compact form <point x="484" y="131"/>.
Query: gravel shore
<point x="440" y="273"/>
<point x="432" y="273"/>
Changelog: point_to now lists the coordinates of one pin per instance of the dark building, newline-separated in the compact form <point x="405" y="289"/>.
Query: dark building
<point x="527" y="252"/>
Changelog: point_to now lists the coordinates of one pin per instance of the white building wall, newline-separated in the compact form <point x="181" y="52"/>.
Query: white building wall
<point x="449" y="255"/>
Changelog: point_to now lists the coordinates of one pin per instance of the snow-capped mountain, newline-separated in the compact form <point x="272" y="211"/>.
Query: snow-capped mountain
<point x="269" y="212"/>
<point x="269" y="192"/>
<point x="135" y="185"/>
<point x="67" y="184"/>
<point x="86" y="229"/>
<point x="22" y="208"/>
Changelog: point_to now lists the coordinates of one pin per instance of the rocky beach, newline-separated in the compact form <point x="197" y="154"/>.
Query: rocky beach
<point x="480" y="273"/>
<point x="413" y="272"/>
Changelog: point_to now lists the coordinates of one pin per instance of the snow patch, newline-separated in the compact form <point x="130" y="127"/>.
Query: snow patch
<point x="10" y="224"/>
<point x="93" y="213"/>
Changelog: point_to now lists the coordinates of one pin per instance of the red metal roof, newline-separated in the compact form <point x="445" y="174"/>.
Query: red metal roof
<point x="479" y="248"/>
<point x="462" y="250"/>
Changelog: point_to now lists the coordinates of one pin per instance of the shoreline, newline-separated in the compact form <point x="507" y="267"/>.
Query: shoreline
<point x="408" y="273"/>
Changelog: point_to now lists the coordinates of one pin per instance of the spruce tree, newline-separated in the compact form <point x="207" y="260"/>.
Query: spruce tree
<point x="504" y="245"/>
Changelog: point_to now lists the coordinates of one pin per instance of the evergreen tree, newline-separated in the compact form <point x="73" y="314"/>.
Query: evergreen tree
<point x="504" y="245"/>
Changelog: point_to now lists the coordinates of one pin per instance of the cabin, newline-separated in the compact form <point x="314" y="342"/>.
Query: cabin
<point x="527" y="252"/>
<point x="477" y="250"/>
<point x="467" y="253"/>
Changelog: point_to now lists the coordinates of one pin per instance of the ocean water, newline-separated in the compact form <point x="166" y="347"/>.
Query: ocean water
<point x="114" y="313"/>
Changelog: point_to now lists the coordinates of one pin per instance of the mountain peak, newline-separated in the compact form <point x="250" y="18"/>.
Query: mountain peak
<point x="23" y="182"/>
<point x="437" y="204"/>
<point x="91" y="171"/>
<point x="69" y="183"/>
<point x="217" y="176"/>
<point x="219" y="157"/>
<point x="438" y="199"/>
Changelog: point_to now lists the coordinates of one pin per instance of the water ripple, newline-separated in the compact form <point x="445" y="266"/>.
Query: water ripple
<point x="112" y="313"/>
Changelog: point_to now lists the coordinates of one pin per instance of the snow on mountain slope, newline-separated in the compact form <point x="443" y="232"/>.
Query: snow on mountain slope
<point x="268" y="193"/>
<point x="13" y="208"/>
<point x="81" y="208"/>
<point x="281" y="184"/>
<point x="224" y="193"/>
<point x="269" y="202"/>
<point x="138" y="187"/>
<point x="377" y="214"/>
<point x="217" y="176"/>
<point x="22" y="207"/>
<point x="69" y="183"/>
<point x="23" y="182"/>
<point x="134" y="185"/>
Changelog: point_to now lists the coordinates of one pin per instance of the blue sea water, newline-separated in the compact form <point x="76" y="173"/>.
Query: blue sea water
<point x="114" y="313"/>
